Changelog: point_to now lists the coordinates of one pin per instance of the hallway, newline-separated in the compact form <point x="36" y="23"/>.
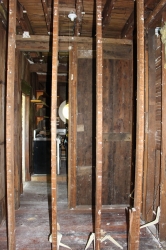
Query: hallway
<point x="33" y="223"/>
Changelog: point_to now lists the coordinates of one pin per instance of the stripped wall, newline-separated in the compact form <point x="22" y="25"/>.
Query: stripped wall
<point x="117" y="125"/>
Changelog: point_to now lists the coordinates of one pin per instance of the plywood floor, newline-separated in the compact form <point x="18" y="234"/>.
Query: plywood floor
<point x="33" y="223"/>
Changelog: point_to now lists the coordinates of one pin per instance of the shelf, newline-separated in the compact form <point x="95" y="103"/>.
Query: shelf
<point x="39" y="102"/>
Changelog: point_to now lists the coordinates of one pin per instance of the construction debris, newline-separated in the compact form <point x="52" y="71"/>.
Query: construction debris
<point x="59" y="238"/>
<point x="106" y="237"/>
<point x="153" y="222"/>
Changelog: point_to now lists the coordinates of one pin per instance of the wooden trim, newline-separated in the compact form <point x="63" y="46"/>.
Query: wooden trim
<point x="99" y="123"/>
<point x="53" y="124"/>
<point x="134" y="230"/>
<point x="162" y="222"/>
<point x="155" y="13"/>
<point x="72" y="126"/>
<point x="9" y="126"/>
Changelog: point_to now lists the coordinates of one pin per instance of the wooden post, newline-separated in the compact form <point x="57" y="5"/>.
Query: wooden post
<point x="53" y="124"/>
<point x="27" y="162"/>
<point x="162" y="222"/>
<point x="72" y="126"/>
<point x="146" y="131"/>
<point x="9" y="125"/>
<point x="99" y="127"/>
<point x="151" y="143"/>
<point x="134" y="229"/>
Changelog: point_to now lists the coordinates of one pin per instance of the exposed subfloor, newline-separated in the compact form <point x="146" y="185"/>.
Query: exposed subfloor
<point x="34" y="216"/>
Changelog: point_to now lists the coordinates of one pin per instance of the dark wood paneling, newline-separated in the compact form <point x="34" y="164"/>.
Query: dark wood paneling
<point x="151" y="127"/>
<point x="85" y="113"/>
<point x="85" y="126"/>
<point x="117" y="129"/>
<point x="85" y="180"/>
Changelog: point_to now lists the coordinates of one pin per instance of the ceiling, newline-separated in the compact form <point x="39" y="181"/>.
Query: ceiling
<point x="35" y="16"/>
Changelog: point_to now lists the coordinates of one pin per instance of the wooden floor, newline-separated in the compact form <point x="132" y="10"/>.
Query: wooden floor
<point x="33" y="223"/>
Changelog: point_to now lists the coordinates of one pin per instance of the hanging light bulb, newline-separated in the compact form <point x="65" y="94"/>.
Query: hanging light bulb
<point x="72" y="16"/>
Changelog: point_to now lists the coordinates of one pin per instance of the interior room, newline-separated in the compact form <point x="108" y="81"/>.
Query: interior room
<point x="83" y="127"/>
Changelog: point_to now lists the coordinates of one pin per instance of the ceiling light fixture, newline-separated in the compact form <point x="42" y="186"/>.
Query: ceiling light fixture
<point x="72" y="16"/>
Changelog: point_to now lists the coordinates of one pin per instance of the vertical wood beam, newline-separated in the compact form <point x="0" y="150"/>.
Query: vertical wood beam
<point x="134" y="229"/>
<point x="72" y="126"/>
<point x="162" y="222"/>
<point x="151" y="127"/>
<point x="53" y="124"/>
<point x="9" y="125"/>
<point x="146" y="130"/>
<point x="17" y="131"/>
<point x="99" y="117"/>
<point x="27" y="142"/>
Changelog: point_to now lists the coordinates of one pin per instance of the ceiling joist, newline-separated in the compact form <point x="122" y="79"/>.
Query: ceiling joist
<point x="79" y="13"/>
<point x="107" y="12"/>
<point x="129" y="26"/>
<point x="46" y="14"/>
<point x="155" y="13"/>
<point x="23" y="20"/>
<point x="3" y="14"/>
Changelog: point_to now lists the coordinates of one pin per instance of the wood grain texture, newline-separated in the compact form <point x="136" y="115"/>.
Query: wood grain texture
<point x="53" y="125"/>
<point x="162" y="222"/>
<point x="9" y="125"/>
<point x="72" y="144"/>
<point x="99" y="123"/>
<point x="2" y="121"/>
<point x="134" y="230"/>
<point x="151" y="128"/>
<point x="117" y="130"/>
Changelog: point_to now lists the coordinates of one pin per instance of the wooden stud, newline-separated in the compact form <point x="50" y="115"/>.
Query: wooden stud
<point x="99" y="117"/>
<point x="151" y="144"/>
<point x="9" y="125"/>
<point x="72" y="126"/>
<point x="53" y="124"/>
<point x="162" y="222"/>
<point x="17" y="133"/>
<point x="27" y="142"/>
<point x="134" y="229"/>
<point x="146" y="132"/>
